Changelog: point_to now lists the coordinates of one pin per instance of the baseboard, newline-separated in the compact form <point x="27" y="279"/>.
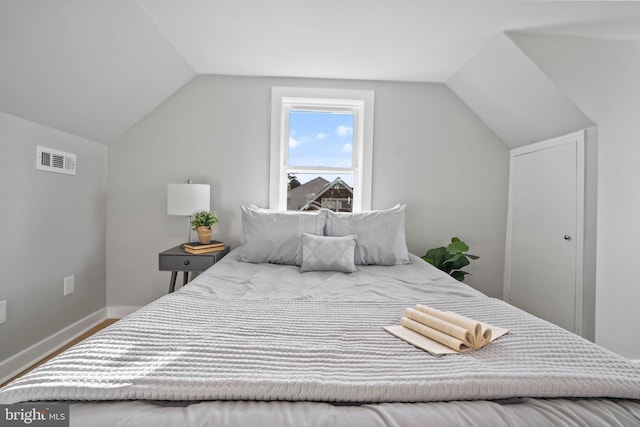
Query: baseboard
<point x="17" y="363"/>
<point x="120" y="311"/>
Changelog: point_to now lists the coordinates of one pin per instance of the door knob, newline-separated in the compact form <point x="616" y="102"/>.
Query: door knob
<point x="567" y="237"/>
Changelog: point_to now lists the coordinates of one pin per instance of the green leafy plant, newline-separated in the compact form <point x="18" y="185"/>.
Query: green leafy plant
<point x="203" y="218"/>
<point x="451" y="259"/>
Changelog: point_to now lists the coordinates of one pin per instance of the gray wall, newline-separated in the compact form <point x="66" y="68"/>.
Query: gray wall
<point x="52" y="225"/>
<point x="430" y="151"/>
<point x="603" y="79"/>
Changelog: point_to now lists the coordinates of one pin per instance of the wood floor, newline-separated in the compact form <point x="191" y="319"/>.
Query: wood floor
<point x="82" y="337"/>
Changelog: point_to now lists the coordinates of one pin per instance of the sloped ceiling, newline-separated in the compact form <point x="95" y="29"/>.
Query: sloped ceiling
<point x="90" y="68"/>
<point x="94" y="68"/>
<point x="508" y="91"/>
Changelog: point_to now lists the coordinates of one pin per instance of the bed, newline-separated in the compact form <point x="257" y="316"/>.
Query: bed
<point x="288" y="331"/>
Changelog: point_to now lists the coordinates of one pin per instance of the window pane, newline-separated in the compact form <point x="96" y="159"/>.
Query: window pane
<point x="320" y="138"/>
<point x="307" y="191"/>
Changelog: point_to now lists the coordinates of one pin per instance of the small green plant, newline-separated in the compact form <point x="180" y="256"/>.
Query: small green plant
<point x="451" y="259"/>
<point x="203" y="218"/>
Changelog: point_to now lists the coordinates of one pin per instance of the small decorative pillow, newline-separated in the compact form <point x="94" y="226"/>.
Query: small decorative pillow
<point x="274" y="237"/>
<point x="381" y="235"/>
<point x="322" y="253"/>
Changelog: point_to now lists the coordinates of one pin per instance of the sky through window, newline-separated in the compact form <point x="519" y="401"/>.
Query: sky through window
<point x="318" y="138"/>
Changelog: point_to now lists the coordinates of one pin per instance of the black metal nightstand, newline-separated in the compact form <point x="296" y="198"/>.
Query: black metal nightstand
<point x="176" y="259"/>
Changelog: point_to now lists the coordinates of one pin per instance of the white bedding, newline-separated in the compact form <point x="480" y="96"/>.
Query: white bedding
<point x="195" y="345"/>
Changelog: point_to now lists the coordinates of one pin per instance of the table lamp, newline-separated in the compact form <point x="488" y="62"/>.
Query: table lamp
<point x="187" y="199"/>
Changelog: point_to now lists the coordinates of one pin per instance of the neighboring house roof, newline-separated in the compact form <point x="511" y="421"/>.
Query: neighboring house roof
<point x="298" y="197"/>
<point x="336" y="184"/>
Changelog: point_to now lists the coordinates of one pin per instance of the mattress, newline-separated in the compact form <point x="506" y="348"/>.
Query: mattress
<point x="246" y="343"/>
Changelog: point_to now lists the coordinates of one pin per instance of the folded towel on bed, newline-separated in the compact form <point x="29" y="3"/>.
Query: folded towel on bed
<point x="443" y="332"/>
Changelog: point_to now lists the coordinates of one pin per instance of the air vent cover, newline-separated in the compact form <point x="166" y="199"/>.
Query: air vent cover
<point x="51" y="160"/>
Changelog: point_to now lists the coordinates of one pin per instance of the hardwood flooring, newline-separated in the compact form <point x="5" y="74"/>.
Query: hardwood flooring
<point x="73" y="342"/>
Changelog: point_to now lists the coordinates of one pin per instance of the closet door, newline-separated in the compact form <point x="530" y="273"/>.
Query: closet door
<point x="545" y="230"/>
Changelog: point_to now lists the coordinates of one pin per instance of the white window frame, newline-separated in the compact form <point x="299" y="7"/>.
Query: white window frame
<point x="359" y="102"/>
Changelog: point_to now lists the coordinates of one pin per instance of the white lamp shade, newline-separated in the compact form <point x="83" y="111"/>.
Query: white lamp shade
<point x="187" y="199"/>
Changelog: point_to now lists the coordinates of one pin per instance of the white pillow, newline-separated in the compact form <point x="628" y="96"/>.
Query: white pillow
<point x="323" y="253"/>
<point x="381" y="235"/>
<point x="275" y="237"/>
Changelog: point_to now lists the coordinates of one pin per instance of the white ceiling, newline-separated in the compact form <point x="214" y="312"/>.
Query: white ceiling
<point x="407" y="40"/>
<point x="93" y="68"/>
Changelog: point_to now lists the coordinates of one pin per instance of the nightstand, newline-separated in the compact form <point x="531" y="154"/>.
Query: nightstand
<point x="176" y="259"/>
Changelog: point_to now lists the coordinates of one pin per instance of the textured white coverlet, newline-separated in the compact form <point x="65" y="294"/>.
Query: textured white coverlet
<point x="188" y="346"/>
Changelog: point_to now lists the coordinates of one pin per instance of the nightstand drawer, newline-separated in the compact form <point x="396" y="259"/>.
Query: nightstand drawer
<point x="186" y="262"/>
<point x="176" y="259"/>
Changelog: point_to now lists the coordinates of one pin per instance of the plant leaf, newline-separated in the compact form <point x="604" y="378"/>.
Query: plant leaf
<point x="454" y="258"/>
<point x="459" y="275"/>
<point x="438" y="255"/>
<point x="459" y="263"/>
<point x="457" y="247"/>
<point x="429" y="260"/>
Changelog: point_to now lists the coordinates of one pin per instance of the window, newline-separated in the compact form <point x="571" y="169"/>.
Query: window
<point x="321" y="149"/>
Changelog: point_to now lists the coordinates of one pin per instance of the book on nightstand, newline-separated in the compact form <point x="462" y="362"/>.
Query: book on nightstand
<point x="203" y="248"/>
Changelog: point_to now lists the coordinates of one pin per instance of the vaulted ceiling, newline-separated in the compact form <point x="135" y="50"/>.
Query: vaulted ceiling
<point x="94" y="68"/>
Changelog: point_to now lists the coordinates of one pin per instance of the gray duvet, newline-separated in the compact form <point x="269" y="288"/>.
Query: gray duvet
<point x="264" y="344"/>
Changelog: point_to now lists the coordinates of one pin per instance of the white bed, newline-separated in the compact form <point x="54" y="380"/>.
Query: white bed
<point x="265" y="344"/>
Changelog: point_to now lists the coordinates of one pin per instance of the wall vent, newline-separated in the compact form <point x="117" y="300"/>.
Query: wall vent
<point x="51" y="160"/>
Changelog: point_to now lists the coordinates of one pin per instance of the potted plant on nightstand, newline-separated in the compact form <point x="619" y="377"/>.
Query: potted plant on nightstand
<point x="203" y="222"/>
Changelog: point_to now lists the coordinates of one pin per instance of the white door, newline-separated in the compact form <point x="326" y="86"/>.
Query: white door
<point x="543" y="263"/>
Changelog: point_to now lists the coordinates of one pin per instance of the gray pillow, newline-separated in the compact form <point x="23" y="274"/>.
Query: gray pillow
<point x="322" y="253"/>
<point x="381" y="235"/>
<point x="275" y="237"/>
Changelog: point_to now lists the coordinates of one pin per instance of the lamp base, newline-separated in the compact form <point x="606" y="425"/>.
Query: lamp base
<point x="189" y="229"/>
